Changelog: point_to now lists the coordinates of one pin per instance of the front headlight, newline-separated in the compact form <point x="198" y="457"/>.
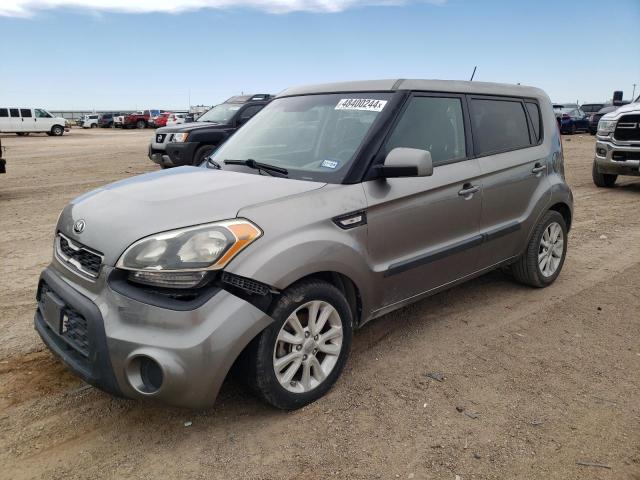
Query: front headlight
<point x="182" y="258"/>
<point x="605" y="127"/>
<point x="180" y="137"/>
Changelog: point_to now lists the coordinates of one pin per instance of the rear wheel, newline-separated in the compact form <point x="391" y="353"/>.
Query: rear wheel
<point x="57" y="130"/>
<point x="22" y="134"/>
<point x="141" y="124"/>
<point x="542" y="261"/>
<point x="202" y="153"/>
<point x="605" y="180"/>
<point x="299" y="357"/>
<point x="572" y="130"/>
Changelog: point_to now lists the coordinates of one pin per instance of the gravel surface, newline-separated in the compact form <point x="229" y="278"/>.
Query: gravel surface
<point x="489" y="380"/>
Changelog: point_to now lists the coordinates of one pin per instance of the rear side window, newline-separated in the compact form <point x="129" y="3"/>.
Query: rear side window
<point x="4" y="112"/>
<point x="26" y="112"/>
<point x="433" y="124"/>
<point x="498" y="126"/>
<point x="15" y="113"/>
<point x="536" y="123"/>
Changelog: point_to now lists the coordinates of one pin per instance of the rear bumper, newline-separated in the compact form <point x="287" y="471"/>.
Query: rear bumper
<point x="193" y="347"/>
<point x="615" y="159"/>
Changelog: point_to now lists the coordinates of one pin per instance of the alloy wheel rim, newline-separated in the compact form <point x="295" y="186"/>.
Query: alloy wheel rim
<point x="551" y="249"/>
<point x="308" y="346"/>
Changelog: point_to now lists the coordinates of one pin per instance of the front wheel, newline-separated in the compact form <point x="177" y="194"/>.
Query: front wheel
<point x="604" y="180"/>
<point x="202" y="153"/>
<point x="141" y="124"/>
<point x="542" y="261"/>
<point x="299" y="357"/>
<point x="94" y="125"/>
<point x="57" y="131"/>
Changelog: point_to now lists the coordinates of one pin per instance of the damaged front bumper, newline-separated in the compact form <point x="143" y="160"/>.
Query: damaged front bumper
<point x="130" y="343"/>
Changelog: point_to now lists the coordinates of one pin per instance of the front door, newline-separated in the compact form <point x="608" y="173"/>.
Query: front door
<point x="423" y="232"/>
<point x="44" y="120"/>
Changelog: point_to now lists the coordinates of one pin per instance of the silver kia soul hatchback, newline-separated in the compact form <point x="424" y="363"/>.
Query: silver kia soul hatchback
<point x="334" y="205"/>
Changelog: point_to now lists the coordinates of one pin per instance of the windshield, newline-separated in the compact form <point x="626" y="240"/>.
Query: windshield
<point x="314" y="137"/>
<point x="220" y="113"/>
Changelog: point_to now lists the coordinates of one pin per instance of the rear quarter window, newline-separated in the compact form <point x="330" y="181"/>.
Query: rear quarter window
<point x="536" y="120"/>
<point x="4" y="112"/>
<point x="498" y="126"/>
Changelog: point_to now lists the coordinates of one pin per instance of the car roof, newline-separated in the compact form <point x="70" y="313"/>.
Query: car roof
<point x="249" y="98"/>
<point x="453" y="86"/>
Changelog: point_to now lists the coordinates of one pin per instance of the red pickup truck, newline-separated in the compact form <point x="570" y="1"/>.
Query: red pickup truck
<point x="139" y="119"/>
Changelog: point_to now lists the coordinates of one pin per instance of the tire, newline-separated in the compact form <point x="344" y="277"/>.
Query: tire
<point x="527" y="269"/>
<point x="57" y="131"/>
<point x="94" y="125"/>
<point x="140" y="124"/>
<point x="21" y="134"/>
<point x="202" y="153"/>
<point x="602" y="180"/>
<point x="268" y="347"/>
<point x="572" y="130"/>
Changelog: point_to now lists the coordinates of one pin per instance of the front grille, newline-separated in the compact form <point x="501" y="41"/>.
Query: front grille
<point x="628" y="128"/>
<point x="74" y="328"/>
<point x="78" y="256"/>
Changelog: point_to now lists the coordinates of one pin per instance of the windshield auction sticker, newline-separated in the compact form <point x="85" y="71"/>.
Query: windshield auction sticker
<point x="364" y="104"/>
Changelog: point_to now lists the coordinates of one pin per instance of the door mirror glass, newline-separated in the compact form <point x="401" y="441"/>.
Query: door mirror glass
<point x="407" y="162"/>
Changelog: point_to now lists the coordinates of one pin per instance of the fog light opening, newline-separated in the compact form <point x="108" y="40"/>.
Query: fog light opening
<point x="145" y="375"/>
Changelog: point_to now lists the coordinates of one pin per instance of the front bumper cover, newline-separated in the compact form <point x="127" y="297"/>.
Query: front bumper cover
<point x="616" y="159"/>
<point x="194" y="348"/>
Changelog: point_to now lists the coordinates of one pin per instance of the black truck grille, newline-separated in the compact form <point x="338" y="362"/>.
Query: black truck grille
<point x="628" y="128"/>
<point x="78" y="256"/>
<point x="74" y="328"/>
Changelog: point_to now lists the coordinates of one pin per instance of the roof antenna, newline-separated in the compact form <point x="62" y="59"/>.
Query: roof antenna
<point x="473" y="74"/>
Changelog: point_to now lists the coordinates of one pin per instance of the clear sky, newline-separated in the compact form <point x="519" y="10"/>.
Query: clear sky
<point x="70" y="57"/>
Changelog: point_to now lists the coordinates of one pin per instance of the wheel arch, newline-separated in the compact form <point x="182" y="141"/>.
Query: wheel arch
<point x="564" y="210"/>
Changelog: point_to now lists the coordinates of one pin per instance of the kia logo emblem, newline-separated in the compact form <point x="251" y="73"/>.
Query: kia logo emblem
<point x="78" y="227"/>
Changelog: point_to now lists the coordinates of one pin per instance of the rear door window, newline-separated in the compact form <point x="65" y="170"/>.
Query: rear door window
<point x="25" y="112"/>
<point x="434" y="124"/>
<point x="498" y="125"/>
<point x="15" y="113"/>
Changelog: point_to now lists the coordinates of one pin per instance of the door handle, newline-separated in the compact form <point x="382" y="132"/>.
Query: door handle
<point x="538" y="167"/>
<point x="468" y="190"/>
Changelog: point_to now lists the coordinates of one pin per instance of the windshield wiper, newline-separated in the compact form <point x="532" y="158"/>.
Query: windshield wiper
<point x="251" y="163"/>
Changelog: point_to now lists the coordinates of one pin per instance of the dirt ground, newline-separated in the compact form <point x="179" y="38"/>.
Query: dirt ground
<point x="535" y="381"/>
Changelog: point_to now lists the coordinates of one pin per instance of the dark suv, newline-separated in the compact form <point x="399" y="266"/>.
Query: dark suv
<point x="190" y="143"/>
<point x="106" y="119"/>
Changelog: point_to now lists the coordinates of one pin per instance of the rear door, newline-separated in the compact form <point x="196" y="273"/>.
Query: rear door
<point x="28" y="120"/>
<point x="15" y="120"/>
<point x="507" y="137"/>
<point x="424" y="231"/>
<point x="5" y="120"/>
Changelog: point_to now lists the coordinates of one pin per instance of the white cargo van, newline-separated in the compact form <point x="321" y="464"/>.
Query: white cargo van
<point x="23" y="121"/>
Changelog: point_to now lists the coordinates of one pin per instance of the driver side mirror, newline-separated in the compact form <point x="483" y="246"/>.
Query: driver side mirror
<point x="406" y="162"/>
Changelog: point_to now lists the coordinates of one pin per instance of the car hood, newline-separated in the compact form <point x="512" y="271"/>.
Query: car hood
<point x="187" y="127"/>
<point x="118" y="214"/>
<point x="629" y="108"/>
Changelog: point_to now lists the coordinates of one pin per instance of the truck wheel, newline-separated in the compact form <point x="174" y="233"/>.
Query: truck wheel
<point x="21" y="134"/>
<point x="541" y="262"/>
<point x="299" y="357"/>
<point x="57" y="131"/>
<point x="605" y="180"/>
<point x="572" y="131"/>
<point x="94" y="125"/>
<point x="202" y="153"/>
<point x="141" y="124"/>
